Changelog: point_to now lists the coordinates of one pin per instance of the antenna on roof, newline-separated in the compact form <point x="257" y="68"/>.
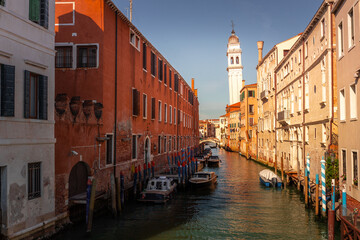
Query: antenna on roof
<point x="130" y="10"/>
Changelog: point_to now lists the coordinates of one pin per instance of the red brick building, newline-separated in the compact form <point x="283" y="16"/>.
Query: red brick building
<point x="119" y="103"/>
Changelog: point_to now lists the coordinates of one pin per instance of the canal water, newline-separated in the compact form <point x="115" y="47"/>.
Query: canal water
<point x="238" y="207"/>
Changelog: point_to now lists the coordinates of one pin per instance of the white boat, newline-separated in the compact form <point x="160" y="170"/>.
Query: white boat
<point x="269" y="178"/>
<point x="213" y="161"/>
<point x="159" y="190"/>
<point x="202" y="179"/>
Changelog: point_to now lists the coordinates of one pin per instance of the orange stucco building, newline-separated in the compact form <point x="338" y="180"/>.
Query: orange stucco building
<point x="248" y="121"/>
<point x="120" y="105"/>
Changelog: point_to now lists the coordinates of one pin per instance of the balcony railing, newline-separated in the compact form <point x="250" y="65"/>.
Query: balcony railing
<point x="284" y="117"/>
<point x="264" y="95"/>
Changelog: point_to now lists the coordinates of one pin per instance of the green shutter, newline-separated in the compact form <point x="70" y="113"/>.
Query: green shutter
<point x="27" y="94"/>
<point x="34" y="10"/>
<point x="7" y="90"/>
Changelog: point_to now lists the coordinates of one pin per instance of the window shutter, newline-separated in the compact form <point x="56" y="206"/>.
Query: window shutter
<point x="44" y="13"/>
<point x="136" y="102"/>
<point x="43" y="97"/>
<point x="7" y="90"/>
<point x="34" y="10"/>
<point x="27" y="94"/>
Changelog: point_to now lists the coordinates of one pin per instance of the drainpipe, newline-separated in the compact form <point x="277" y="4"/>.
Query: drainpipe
<point x="115" y="110"/>
<point x="332" y="74"/>
<point x="276" y="113"/>
<point x="303" y="101"/>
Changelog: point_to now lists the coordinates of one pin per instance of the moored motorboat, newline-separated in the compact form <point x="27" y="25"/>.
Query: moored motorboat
<point x="202" y="179"/>
<point x="269" y="178"/>
<point x="213" y="161"/>
<point x="201" y="161"/>
<point x="159" y="190"/>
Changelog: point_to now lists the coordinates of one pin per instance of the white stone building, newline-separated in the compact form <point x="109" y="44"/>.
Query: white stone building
<point x="234" y="68"/>
<point x="26" y="117"/>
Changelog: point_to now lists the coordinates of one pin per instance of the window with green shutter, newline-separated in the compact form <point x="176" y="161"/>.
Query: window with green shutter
<point x="35" y="96"/>
<point x="7" y="90"/>
<point x="34" y="11"/>
<point x="39" y="12"/>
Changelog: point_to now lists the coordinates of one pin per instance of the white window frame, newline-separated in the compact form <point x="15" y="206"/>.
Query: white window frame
<point x="170" y="114"/>
<point x="75" y="55"/>
<point x="342" y="103"/>
<point x="133" y="37"/>
<point x="165" y="112"/>
<point x="351" y="29"/>
<point x="160" y="109"/>
<point x="136" y="146"/>
<point x="353" y="101"/>
<point x="322" y="28"/>
<point x="352" y="164"/>
<point x="74" y="52"/>
<point x="145" y="110"/>
<point x="340" y="33"/>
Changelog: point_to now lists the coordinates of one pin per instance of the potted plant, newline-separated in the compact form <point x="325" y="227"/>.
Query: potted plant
<point x="343" y="177"/>
<point x="355" y="181"/>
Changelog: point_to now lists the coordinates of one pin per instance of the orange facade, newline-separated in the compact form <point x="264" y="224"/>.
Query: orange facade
<point x="248" y="121"/>
<point x="120" y="105"/>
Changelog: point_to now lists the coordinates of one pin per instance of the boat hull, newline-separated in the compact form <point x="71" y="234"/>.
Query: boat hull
<point x="203" y="183"/>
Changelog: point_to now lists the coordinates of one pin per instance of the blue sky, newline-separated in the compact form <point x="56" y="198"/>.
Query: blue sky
<point x="192" y="35"/>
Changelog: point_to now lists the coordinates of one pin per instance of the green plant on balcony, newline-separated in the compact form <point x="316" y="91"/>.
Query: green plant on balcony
<point x="332" y="171"/>
<point x="355" y="181"/>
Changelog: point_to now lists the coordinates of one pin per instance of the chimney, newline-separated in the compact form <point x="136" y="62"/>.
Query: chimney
<point x="130" y="10"/>
<point x="192" y="84"/>
<point x="260" y="45"/>
<point x="243" y="83"/>
<point x="195" y="92"/>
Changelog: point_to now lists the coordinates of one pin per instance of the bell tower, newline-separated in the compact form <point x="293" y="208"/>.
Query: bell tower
<point x="234" y="68"/>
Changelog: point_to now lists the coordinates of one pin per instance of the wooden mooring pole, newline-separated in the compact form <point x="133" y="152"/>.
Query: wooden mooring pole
<point x="317" y="196"/>
<point x="91" y="205"/>
<point x="113" y="193"/>
<point x="282" y="169"/>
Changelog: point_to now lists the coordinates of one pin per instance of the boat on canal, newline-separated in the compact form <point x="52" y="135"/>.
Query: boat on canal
<point x="159" y="190"/>
<point x="203" y="179"/>
<point x="201" y="161"/>
<point x="213" y="161"/>
<point x="269" y="178"/>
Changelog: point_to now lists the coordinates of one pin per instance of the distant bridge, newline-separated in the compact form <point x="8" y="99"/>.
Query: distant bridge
<point x="213" y="140"/>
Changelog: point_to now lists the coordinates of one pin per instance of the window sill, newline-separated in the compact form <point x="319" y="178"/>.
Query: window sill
<point x="86" y="68"/>
<point x="351" y="48"/>
<point x="144" y="70"/>
<point x="340" y="57"/>
<point x="152" y="75"/>
<point x="306" y="110"/>
<point x="353" y="119"/>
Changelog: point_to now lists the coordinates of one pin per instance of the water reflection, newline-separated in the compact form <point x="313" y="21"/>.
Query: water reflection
<point x="237" y="207"/>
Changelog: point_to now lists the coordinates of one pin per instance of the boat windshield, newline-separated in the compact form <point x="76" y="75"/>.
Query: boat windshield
<point x="202" y="176"/>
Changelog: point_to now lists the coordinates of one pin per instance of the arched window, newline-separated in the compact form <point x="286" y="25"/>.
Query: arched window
<point x="231" y="60"/>
<point x="237" y="60"/>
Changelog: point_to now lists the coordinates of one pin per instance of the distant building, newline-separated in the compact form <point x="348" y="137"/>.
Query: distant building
<point x="27" y="143"/>
<point x="234" y="68"/>
<point x="266" y="98"/>
<point x="306" y="97"/>
<point x="347" y="17"/>
<point x="223" y="129"/>
<point x="248" y="121"/>
<point x="233" y="123"/>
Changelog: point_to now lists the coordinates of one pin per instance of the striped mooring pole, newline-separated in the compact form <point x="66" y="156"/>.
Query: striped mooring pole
<point x="323" y="187"/>
<point x="308" y="176"/>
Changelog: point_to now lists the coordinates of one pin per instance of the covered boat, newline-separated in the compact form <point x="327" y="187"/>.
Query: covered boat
<point x="202" y="179"/>
<point x="269" y="178"/>
<point x="213" y="161"/>
<point x="159" y="190"/>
